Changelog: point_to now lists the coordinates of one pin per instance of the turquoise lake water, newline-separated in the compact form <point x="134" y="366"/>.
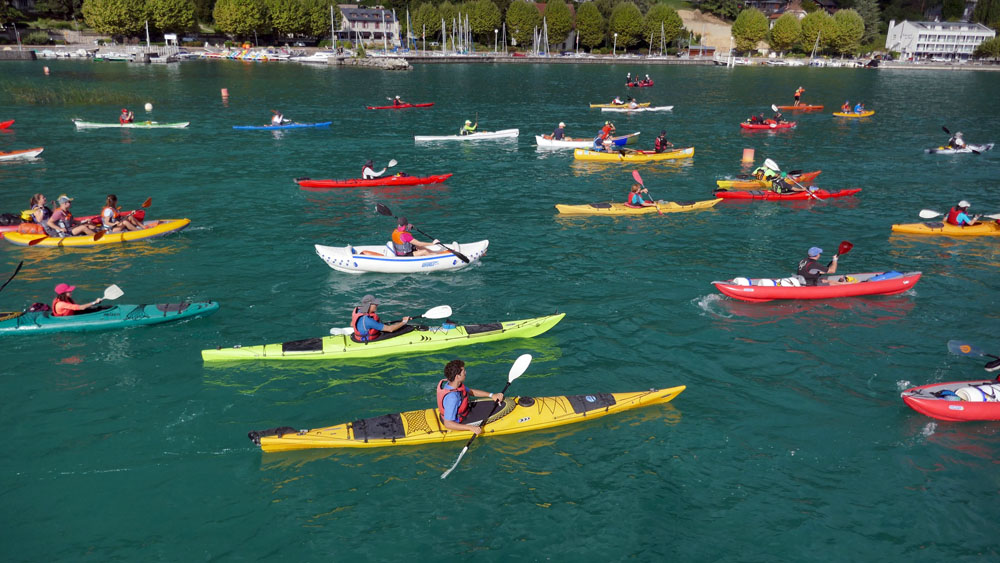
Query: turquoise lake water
<point x="790" y="444"/>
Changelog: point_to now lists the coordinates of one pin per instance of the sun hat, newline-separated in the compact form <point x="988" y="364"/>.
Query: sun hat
<point x="64" y="288"/>
<point x="62" y="198"/>
<point x="467" y="122"/>
<point x="964" y="204"/>
<point x="367" y="301"/>
<point x="561" y="124"/>
<point x="815" y="251"/>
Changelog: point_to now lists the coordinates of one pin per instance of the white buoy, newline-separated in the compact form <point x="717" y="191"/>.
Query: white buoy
<point x="149" y="106"/>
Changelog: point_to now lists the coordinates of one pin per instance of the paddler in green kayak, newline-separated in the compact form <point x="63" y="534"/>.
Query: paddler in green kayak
<point x="368" y="327"/>
<point x="457" y="412"/>
<point x="64" y="306"/>
<point x="469" y="128"/>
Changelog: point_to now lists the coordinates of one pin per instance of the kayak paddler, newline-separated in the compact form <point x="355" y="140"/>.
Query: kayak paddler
<point x="559" y="132"/>
<point x="278" y="118"/>
<point x="956" y="141"/>
<point x="798" y="94"/>
<point x="368" y="171"/>
<point x="859" y="108"/>
<point x="126" y="116"/>
<point x="617" y="101"/>
<point x="607" y="130"/>
<point x="113" y="221"/>
<point x="959" y="216"/>
<point x="662" y="144"/>
<point x="782" y="184"/>
<point x="366" y="324"/>
<point x="404" y="244"/>
<point x="810" y="269"/>
<point x="635" y="198"/>
<point x="632" y="104"/>
<point x="763" y="172"/>
<point x="457" y="412"/>
<point x="39" y="212"/>
<point x="846" y="108"/>
<point x="398" y="102"/>
<point x="778" y="118"/>
<point x="64" y="306"/>
<point x="62" y="223"/>
<point x="469" y="128"/>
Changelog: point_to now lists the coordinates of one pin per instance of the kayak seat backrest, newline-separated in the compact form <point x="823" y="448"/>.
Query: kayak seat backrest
<point x="172" y="307"/>
<point x="305" y="345"/>
<point x="478" y="329"/>
<point x="586" y="403"/>
<point x="601" y="205"/>
<point x="385" y="427"/>
<point x="938" y="225"/>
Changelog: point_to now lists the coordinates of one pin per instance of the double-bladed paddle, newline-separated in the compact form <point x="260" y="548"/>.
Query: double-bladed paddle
<point x="516" y="370"/>
<point x="439" y="312"/>
<point x="383" y="210"/>
<point x="965" y="349"/>
<point x="638" y="178"/>
<point x="974" y="151"/>
<point x="929" y="214"/>
<point x="16" y="270"/>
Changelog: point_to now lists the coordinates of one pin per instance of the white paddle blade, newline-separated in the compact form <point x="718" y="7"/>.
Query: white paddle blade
<point x="454" y="465"/>
<point x="439" y="312"/>
<point x="520" y="366"/>
<point x="928" y="214"/>
<point x="774" y="108"/>
<point x="392" y="163"/>
<point x="341" y="331"/>
<point x="994" y="216"/>
<point x="771" y="164"/>
<point x="113" y="292"/>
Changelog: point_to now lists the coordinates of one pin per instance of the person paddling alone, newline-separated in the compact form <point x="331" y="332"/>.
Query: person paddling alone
<point x="398" y="102"/>
<point x="405" y="245"/>
<point x="635" y="198"/>
<point x="368" y="171"/>
<point x="811" y="270"/>
<point x="959" y="215"/>
<point x="469" y="128"/>
<point x="559" y="132"/>
<point x="662" y="144"/>
<point x="126" y="116"/>
<point x="64" y="306"/>
<point x="798" y="94"/>
<point x="366" y="324"/>
<point x="456" y="411"/>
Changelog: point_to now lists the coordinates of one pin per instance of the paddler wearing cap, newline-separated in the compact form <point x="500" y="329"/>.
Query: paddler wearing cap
<point x="404" y="244"/>
<point x="959" y="216"/>
<point x="798" y="94"/>
<point x="607" y="130"/>
<point x="366" y="324"/>
<point x="398" y="102"/>
<point x="469" y="127"/>
<point x="61" y="222"/>
<point x="368" y="170"/>
<point x="64" y="306"/>
<point x="126" y="116"/>
<point x="811" y="270"/>
<point x="559" y="132"/>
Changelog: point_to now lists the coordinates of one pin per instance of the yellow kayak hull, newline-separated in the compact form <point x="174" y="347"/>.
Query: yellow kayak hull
<point x="641" y="104"/>
<point x="414" y="428"/>
<point x="637" y="156"/>
<point x="622" y="209"/>
<point x="852" y="114"/>
<point x="153" y="229"/>
<point x="978" y="230"/>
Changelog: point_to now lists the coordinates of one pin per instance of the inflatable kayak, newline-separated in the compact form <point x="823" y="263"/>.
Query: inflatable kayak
<point x="978" y="230"/>
<point x="152" y="229"/>
<point x="754" y="184"/>
<point x="769" y="125"/>
<point x="515" y="414"/>
<point x="80" y="124"/>
<point x="32" y="228"/>
<point x="800" y="107"/>
<point x="854" y="115"/>
<point x="383" y="259"/>
<point x="103" y="318"/>
<point x="765" y="289"/>
<point x="23" y="154"/>
<point x="769" y="195"/>
<point x="631" y="156"/>
<point x="968" y="148"/>
<point x="402" y="106"/>
<point x="639" y="109"/>
<point x="380" y="181"/>
<point x="640" y="84"/>
<point x="547" y="141"/>
<point x="641" y="104"/>
<point x="957" y="401"/>
<point x="613" y="208"/>
<point x="285" y="126"/>
<point x="6" y="124"/>
<point x="416" y="339"/>
<point x="501" y="134"/>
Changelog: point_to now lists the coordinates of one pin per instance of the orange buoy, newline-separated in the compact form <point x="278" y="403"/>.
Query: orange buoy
<point x="748" y="155"/>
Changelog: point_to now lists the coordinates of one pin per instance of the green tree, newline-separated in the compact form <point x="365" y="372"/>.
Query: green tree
<point x="872" y="16"/>
<point x="749" y="28"/>
<point x="522" y="18"/>
<point x="318" y="17"/>
<point x="449" y="12"/>
<point x="817" y="23"/>
<point x="484" y="17"/>
<point x="590" y="25"/>
<point x="171" y="15"/>
<point x="288" y="17"/>
<point x="626" y="21"/>
<point x="115" y="17"/>
<point x="786" y="33"/>
<point x="605" y="7"/>
<point x="952" y="10"/>
<point x="989" y="49"/>
<point x="427" y="20"/>
<point x="987" y="12"/>
<point x="847" y="30"/>
<point x="558" y="19"/>
<point x="9" y="13"/>
<point x="671" y="24"/>
<point x="203" y="10"/>
<point x="725" y="9"/>
<point x="63" y="9"/>
<point x="241" y="18"/>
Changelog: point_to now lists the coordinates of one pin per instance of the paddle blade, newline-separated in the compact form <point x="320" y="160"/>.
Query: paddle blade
<point x="845" y="247"/>
<point x="98" y="235"/>
<point x="439" y="312"/>
<point x="994" y="216"/>
<point x="113" y="292"/>
<point x="383" y="210"/>
<point x="33" y="242"/>
<point x="392" y="163"/>
<point x="520" y="366"/>
<point x="928" y="214"/>
<point x="964" y="349"/>
<point x="771" y="164"/>
<point x="148" y="202"/>
<point x="341" y="331"/>
<point x="16" y="270"/>
<point x="774" y="108"/>
<point x="638" y="178"/>
<point x="454" y="465"/>
<point x="945" y="129"/>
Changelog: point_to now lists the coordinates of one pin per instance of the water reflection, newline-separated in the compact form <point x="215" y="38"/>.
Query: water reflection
<point x="865" y="311"/>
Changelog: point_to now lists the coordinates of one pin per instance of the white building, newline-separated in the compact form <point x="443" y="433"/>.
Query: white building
<point x="947" y="40"/>
<point x="368" y="25"/>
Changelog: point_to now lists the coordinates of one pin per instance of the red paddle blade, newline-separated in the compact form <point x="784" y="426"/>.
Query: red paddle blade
<point x="140" y="214"/>
<point x="148" y="202"/>
<point x="98" y="236"/>
<point x="37" y="240"/>
<point x="638" y="178"/>
<point x="845" y="247"/>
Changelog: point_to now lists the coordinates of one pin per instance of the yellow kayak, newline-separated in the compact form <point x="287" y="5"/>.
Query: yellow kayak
<point x="516" y="414"/>
<point x="641" y="104"/>
<point x="611" y="208"/>
<point x="152" y="229"/>
<point x="852" y="114"/>
<point x="990" y="229"/>
<point x="631" y="156"/>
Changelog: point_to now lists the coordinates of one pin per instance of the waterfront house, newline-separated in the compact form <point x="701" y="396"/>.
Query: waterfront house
<point x="368" y="25"/>
<point x="936" y="40"/>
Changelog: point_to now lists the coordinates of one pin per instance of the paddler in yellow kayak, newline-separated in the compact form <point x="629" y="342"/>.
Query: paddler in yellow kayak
<point x="662" y="144"/>
<point x="456" y="411"/>
<point x="959" y="215"/>
<point x="635" y="198"/>
<point x="366" y="324"/>
<point x="62" y="223"/>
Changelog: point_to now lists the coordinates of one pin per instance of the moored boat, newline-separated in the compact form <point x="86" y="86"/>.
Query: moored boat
<point x="102" y="318"/>
<point x="151" y="229"/>
<point x="985" y="229"/>
<point x="501" y="134"/>
<point x="631" y="156"/>
<point x="767" y="195"/>
<point x="380" y="181"/>
<point x="80" y="124"/>
<point x="614" y="208"/>
<point x="286" y="126"/>
<point x="767" y="289"/>
<point x="382" y="259"/>
<point x="754" y="184"/>
<point x="957" y="401"/>
<point x="23" y="154"/>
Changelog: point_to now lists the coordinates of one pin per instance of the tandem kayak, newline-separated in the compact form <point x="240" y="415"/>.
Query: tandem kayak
<point x="80" y="124"/>
<point x="641" y="104"/>
<point x="614" y="208"/>
<point x="380" y="181"/>
<point x="769" y="125"/>
<point x="546" y="141"/>
<point x="23" y="154"/>
<point x="640" y="109"/>
<point x="990" y="229"/>
<point x="769" y="195"/>
<point x="968" y="148"/>
<point x="6" y="124"/>
<point x="956" y="401"/>
<point x="854" y="115"/>
<point x="103" y="318"/>
<point x="754" y="184"/>
<point x="631" y="156"/>
<point x="285" y="126"/>
<point x="501" y="134"/>
<point x="409" y="340"/>
<point x="800" y="107"/>
<point x="402" y="106"/>
<point x="758" y="290"/>
<point x="152" y="229"/>
<point x="515" y="414"/>
<point x="382" y="259"/>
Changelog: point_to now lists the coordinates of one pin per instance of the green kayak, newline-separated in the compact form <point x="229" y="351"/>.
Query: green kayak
<point x="102" y="318"/>
<point x="416" y="339"/>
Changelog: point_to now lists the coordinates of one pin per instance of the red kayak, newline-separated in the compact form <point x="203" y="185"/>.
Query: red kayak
<point x="758" y="290"/>
<point x="6" y="124"/>
<point x="383" y="181"/>
<point x="769" y="195"/>
<point x="401" y="106"/>
<point x="957" y="401"/>
<point x="640" y="84"/>
<point x="800" y="107"/>
<point x="769" y="124"/>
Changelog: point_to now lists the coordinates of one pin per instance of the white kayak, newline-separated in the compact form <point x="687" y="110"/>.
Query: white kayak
<point x="968" y="148"/>
<point x="636" y="110"/>
<point x="382" y="259"/>
<point x="23" y="154"/>
<point x="501" y="134"/>
<point x="80" y="124"/>
<point x="569" y="143"/>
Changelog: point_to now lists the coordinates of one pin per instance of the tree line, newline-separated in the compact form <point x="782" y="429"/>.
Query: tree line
<point x="842" y="33"/>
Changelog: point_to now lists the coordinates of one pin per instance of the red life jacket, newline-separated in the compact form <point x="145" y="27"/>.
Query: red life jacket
<point x="953" y="216"/>
<point x="661" y="144"/>
<point x="65" y="313"/>
<point x="357" y="336"/>
<point x="628" y="200"/>
<point x="463" y="408"/>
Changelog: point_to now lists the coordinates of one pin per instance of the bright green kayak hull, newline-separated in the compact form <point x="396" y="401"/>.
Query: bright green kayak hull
<point x="343" y="347"/>
<point x="116" y="316"/>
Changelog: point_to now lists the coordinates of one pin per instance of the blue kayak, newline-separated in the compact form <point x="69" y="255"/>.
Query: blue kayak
<point x="285" y="126"/>
<point x="102" y="318"/>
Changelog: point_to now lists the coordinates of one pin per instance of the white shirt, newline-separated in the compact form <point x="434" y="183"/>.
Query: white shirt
<point x="368" y="173"/>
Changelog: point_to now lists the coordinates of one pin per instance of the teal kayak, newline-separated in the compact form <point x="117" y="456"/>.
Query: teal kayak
<point x="102" y="318"/>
